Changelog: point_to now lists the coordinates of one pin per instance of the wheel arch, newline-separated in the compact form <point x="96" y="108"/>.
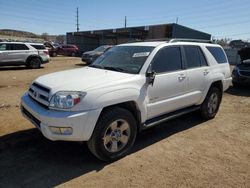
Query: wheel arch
<point x="215" y="83"/>
<point x="31" y="57"/>
<point x="131" y="106"/>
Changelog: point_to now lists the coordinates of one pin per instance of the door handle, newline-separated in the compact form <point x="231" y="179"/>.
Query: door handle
<point x="206" y="72"/>
<point x="182" y="77"/>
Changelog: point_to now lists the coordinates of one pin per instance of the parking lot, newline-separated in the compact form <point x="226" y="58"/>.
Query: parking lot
<point x="187" y="151"/>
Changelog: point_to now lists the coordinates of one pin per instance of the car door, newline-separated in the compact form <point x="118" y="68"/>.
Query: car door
<point x="3" y="53"/>
<point x="19" y="53"/>
<point x="197" y="72"/>
<point x="170" y="84"/>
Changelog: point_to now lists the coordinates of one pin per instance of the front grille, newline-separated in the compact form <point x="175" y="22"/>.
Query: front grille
<point x="31" y="117"/>
<point x="40" y="94"/>
<point x="245" y="73"/>
<point x="41" y="87"/>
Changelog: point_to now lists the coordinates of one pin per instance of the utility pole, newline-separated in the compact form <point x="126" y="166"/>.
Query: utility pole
<point x="125" y="24"/>
<point x="77" y="20"/>
<point x="177" y="19"/>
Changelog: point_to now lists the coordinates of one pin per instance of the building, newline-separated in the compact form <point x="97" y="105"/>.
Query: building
<point x="88" y="40"/>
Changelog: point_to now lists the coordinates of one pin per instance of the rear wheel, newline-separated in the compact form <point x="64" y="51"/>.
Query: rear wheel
<point x="211" y="104"/>
<point x="34" y="63"/>
<point x="114" y="134"/>
<point x="73" y="54"/>
<point x="54" y="54"/>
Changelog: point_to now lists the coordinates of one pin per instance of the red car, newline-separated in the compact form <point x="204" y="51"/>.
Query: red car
<point x="69" y="50"/>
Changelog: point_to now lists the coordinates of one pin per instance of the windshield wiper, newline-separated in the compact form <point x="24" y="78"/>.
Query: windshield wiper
<point x="115" y="69"/>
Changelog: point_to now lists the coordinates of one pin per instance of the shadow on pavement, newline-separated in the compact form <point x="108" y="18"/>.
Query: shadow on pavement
<point x="239" y="91"/>
<point x="16" y="68"/>
<point x="27" y="159"/>
<point x="81" y="65"/>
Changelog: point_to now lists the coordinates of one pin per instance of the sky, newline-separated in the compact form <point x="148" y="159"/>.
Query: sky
<point x="220" y="18"/>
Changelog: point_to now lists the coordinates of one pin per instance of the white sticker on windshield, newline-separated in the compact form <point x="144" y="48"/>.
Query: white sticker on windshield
<point x="141" y="54"/>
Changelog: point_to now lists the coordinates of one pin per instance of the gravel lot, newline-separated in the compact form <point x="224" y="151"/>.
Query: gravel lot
<point x="186" y="152"/>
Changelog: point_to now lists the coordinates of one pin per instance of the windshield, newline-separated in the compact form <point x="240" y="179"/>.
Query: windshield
<point x="129" y="59"/>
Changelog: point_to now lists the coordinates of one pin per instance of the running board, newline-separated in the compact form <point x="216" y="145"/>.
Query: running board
<point x="160" y="119"/>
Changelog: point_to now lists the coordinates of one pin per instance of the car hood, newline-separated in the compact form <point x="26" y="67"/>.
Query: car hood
<point x="243" y="66"/>
<point x="91" y="53"/>
<point x="80" y="79"/>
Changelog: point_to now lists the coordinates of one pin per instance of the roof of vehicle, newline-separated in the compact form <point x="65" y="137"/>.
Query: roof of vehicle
<point x="157" y="43"/>
<point x="35" y="43"/>
<point x="153" y="44"/>
<point x="15" y="42"/>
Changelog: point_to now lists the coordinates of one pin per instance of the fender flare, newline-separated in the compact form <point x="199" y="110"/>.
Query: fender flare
<point x="33" y="56"/>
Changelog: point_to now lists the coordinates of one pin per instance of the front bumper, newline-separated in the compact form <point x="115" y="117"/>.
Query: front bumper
<point x="82" y="123"/>
<point x="87" y="60"/>
<point x="240" y="79"/>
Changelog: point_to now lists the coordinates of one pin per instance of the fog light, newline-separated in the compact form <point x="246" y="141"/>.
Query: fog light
<point x="66" y="131"/>
<point x="61" y="130"/>
<point x="55" y="130"/>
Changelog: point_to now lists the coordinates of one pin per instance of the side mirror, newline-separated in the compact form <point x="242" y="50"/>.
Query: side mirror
<point x="246" y="61"/>
<point x="150" y="75"/>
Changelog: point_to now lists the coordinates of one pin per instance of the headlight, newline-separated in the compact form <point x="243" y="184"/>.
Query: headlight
<point x="66" y="99"/>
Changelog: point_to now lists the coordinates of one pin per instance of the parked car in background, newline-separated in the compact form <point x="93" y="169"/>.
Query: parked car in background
<point x="19" y="53"/>
<point x="90" y="56"/>
<point x="241" y="72"/>
<point x="52" y="48"/>
<point x="42" y="51"/>
<point x="68" y="50"/>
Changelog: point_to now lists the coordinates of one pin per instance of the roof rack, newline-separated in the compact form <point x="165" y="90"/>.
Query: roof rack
<point x="189" y="40"/>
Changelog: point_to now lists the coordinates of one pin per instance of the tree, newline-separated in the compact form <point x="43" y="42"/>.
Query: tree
<point x="60" y="39"/>
<point x="223" y="41"/>
<point x="45" y="36"/>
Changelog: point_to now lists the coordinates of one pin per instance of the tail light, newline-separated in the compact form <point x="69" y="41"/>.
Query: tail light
<point x="46" y="52"/>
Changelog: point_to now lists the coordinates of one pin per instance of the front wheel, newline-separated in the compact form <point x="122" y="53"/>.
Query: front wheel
<point x="114" y="134"/>
<point x="211" y="104"/>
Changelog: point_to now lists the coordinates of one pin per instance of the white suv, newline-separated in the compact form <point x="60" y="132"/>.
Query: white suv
<point x="19" y="53"/>
<point x="129" y="88"/>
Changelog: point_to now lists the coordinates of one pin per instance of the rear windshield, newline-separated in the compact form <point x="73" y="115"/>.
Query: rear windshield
<point x="218" y="54"/>
<point x="38" y="47"/>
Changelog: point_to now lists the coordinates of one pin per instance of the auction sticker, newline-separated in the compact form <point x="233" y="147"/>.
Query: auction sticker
<point x="141" y="54"/>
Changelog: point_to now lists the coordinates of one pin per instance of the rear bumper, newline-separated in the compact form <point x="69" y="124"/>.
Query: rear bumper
<point x="82" y="123"/>
<point x="227" y="82"/>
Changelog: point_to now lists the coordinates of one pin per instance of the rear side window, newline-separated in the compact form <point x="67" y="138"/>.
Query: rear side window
<point x="218" y="54"/>
<point x="167" y="59"/>
<point x="194" y="57"/>
<point x="19" y="47"/>
<point x="3" y="47"/>
<point x="38" y="47"/>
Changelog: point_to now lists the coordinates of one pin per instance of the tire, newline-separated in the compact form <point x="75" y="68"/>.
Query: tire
<point x="211" y="104"/>
<point x="73" y="54"/>
<point x="34" y="63"/>
<point x="54" y="54"/>
<point x="114" y="134"/>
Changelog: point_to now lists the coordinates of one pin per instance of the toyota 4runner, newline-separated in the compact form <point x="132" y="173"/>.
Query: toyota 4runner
<point x="129" y="88"/>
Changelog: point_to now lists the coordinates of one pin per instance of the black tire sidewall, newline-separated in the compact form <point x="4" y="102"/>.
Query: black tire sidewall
<point x="54" y="54"/>
<point x="204" y="108"/>
<point x="102" y="125"/>
<point x="35" y="63"/>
